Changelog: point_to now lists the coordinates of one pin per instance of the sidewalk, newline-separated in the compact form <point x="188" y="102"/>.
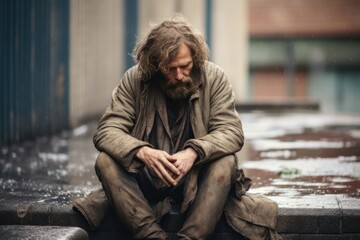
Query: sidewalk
<point x="309" y="163"/>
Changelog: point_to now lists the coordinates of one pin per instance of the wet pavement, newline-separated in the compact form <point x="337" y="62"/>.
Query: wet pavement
<point x="294" y="155"/>
<point x="304" y="161"/>
<point x="42" y="233"/>
<point x="49" y="170"/>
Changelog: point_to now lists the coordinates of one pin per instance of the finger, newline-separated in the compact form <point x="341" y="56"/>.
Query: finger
<point x="169" y="157"/>
<point x="177" y="180"/>
<point x="177" y="164"/>
<point x="166" y="175"/>
<point x="171" y="167"/>
<point x="157" y="172"/>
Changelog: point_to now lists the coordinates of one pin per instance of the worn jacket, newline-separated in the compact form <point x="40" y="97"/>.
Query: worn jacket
<point x="128" y="121"/>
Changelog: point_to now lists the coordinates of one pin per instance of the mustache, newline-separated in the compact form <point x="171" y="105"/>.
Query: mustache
<point x="176" y="89"/>
<point x="185" y="82"/>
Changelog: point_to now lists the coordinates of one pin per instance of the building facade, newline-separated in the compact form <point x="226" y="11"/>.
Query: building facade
<point x="306" y="51"/>
<point x="61" y="59"/>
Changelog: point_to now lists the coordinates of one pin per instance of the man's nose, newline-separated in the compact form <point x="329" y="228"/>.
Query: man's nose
<point x="178" y="74"/>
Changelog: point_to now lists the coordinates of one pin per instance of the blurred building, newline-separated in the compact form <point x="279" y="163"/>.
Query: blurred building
<point x="61" y="59"/>
<point x="305" y="50"/>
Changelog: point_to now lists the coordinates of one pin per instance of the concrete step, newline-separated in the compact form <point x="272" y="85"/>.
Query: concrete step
<point x="307" y="218"/>
<point x="16" y="232"/>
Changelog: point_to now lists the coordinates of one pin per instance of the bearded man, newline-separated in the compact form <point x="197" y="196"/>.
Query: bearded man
<point x="170" y="135"/>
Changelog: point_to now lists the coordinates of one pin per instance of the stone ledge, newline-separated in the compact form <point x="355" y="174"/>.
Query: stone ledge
<point x="297" y="217"/>
<point x="305" y="220"/>
<point x="318" y="215"/>
<point x="321" y="236"/>
<point x="15" y="232"/>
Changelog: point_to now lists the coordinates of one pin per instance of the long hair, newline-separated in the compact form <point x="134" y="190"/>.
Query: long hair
<point x="161" y="46"/>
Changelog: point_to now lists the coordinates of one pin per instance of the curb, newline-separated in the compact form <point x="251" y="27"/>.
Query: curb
<point x="330" y="216"/>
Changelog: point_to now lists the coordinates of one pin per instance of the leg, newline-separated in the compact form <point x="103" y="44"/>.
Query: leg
<point x="124" y="193"/>
<point x="205" y="212"/>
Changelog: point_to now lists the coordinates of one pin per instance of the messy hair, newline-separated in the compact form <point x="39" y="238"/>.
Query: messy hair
<point x="161" y="46"/>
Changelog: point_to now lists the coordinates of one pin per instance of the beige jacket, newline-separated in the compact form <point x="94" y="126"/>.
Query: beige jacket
<point x="126" y="125"/>
<point x="127" y="122"/>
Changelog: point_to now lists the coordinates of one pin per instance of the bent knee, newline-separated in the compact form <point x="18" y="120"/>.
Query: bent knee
<point x="223" y="169"/>
<point x="103" y="162"/>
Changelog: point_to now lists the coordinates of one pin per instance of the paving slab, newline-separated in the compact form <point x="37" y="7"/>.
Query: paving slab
<point x="350" y="209"/>
<point x="16" y="232"/>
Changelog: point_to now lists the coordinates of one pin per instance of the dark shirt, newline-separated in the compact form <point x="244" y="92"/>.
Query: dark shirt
<point x="171" y="129"/>
<point x="172" y="126"/>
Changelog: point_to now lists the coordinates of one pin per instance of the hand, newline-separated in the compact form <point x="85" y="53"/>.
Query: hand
<point x="161" y="163"/>
<point x="184" y="161"/>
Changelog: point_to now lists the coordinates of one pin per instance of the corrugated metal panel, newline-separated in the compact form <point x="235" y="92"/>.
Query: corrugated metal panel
<point x="34" y="66"/>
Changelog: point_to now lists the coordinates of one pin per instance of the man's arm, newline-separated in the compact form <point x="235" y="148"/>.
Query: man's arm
<point x="113" y="133"/>
<point x="225" y="135"/>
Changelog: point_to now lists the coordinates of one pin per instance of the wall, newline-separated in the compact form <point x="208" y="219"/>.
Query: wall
<point x="230" y="43"/>
<point x="304" y="18"/>
<point x="320" y="40"/>
<point x="153" y="12"/>
<point x="96" y="56"/>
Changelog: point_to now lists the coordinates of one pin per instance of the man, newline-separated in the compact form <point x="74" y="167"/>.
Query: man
<point x="170" y="135"/>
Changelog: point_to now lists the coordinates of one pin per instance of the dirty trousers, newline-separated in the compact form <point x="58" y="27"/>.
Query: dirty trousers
<point x="133" y="209"/>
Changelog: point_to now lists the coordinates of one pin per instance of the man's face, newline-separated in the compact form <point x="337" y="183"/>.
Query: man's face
<point x="178" y="83"/>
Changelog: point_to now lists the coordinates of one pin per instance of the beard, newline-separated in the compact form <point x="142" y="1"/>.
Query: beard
<point x="178" y="90"/>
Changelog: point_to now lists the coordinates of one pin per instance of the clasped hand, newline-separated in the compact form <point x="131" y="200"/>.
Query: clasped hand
<point x="169" y="168"/>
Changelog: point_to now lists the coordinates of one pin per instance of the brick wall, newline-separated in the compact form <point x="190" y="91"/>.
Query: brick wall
<point x="306" y="18"/>
<point x="271" y="85"/>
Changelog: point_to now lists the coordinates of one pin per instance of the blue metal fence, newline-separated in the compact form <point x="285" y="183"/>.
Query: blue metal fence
<point x="131" y="22"/>
<point x="33" y="68"/>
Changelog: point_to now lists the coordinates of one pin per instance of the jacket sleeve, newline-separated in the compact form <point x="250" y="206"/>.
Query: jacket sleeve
<point x="113" y="135"/>
<point x="224" y="129"/>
